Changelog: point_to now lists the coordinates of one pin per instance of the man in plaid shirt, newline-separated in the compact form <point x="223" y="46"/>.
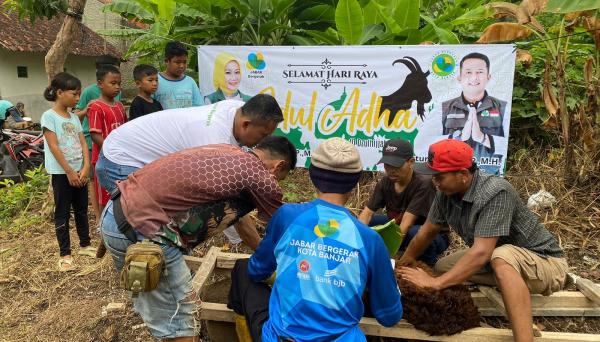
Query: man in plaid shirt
<point x="508" y="247"/>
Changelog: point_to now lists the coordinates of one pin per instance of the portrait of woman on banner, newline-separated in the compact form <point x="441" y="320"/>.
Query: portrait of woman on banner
<point x="227" y="76"/>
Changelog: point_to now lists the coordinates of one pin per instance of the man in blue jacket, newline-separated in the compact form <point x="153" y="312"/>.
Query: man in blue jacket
<point x="322" y="259"/>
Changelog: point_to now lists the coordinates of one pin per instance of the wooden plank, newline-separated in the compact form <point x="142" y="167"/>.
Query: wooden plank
<point x="193" y="263"/>
<point x="227" y="260"/>
<point x="207" y="267"/>
<point x="495" y="297"/>
<point x="216" y="312"/>
<point x="587" y="287"/>
<point x="220" y="312"/>
<point x="551" y="312"/>
<point x="562" y="303"/>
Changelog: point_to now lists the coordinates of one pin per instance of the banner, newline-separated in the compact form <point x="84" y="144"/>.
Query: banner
<point x="369" y="94"/>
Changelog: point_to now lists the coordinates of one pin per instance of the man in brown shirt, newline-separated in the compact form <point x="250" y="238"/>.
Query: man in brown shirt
<point x="406" y="197"/>
<point x="174" y="200"/>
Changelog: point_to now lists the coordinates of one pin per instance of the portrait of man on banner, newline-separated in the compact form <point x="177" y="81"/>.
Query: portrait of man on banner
<point x="227" y="76"/>
<point x="475" y="116"/>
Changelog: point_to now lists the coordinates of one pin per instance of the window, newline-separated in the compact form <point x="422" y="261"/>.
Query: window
<point x="22" y="72"/>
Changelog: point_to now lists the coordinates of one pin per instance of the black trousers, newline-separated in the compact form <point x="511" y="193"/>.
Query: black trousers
<point x="65" y="197"/>
<point x="249" y="298"/>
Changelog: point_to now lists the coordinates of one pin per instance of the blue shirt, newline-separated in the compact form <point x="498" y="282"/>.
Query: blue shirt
<point x="181" y="93"/>
<point x="324" y="258"/>
<point x="67" y="134"/>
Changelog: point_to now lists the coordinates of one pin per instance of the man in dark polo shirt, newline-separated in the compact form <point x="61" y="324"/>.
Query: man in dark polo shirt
<point x="508" y="247"/>
<point x="406" y="197"/>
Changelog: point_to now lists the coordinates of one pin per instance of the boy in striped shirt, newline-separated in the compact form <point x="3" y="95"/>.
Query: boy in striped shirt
<point x="105" y="115"/>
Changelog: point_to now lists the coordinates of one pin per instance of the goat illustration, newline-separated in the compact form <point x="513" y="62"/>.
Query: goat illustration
<point x="414" y="88"/>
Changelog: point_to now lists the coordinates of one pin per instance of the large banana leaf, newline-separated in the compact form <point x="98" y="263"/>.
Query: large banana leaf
<point x="370" y="32"/>
<point x="407" y="13"/>
<point x="122" y="33"/>
<point x="318" y="13"/>
<point x="141" y="10"/>
<point x="377" y="13"/>
<point x="443" y="35"/>
<point x="349" y="21"/>
<point x="566" y="6"/>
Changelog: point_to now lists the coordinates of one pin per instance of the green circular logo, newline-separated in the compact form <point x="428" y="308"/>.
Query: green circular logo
<point x="443" y="64"/>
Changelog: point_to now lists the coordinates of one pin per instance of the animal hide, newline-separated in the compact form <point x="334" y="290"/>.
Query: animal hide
<point x="444" y="312"/>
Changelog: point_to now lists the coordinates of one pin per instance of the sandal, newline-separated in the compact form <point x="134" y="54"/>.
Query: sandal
<point x="87" y="251"/>
<point x="65" y="265"/>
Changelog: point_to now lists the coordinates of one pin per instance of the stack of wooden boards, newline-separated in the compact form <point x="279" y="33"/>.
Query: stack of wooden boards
<point x="585" y="302"/>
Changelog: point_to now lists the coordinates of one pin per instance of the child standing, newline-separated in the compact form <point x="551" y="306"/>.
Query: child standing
<point x="175" y="89"/>
<point x="90" y="94"/>
<point x="146" y="79"/>
<point x="105" y="115"/>
<point x="67" y="160"/>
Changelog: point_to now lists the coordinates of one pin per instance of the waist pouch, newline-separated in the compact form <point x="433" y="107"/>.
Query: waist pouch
<point x="144" y="263"/>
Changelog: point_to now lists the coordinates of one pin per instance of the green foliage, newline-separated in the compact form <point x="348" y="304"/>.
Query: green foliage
<point x="294" y="191"/>
<point x="285" y="22"/>
<point x="528" y="105"/>
<point x="34" y="9"/>
<point x="16" y="200"/>
<point x="349" y="21"/>
<point x="566" y="6"/>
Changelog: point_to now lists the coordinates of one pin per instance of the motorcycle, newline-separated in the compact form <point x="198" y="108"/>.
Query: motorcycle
<point x="20" y="151"/>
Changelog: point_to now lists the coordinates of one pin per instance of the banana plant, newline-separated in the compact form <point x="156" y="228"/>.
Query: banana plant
<point x="559" y="58"/>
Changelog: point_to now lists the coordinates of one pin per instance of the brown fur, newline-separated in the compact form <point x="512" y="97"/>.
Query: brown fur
<point x="444" y="312"/>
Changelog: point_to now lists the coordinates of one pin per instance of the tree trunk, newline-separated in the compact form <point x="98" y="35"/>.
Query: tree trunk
<point x="57" y="55"/>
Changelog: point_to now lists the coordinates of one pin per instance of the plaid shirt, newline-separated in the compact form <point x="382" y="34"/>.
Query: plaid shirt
<point x="491" y="207"/>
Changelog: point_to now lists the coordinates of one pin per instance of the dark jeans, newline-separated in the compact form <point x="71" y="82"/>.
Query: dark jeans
<point x="431" y="254"/>
<point x="249" y="298"/>
<point x="65" y="197"/>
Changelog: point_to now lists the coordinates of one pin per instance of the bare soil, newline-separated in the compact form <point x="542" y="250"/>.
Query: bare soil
<point x="38" y="303"/>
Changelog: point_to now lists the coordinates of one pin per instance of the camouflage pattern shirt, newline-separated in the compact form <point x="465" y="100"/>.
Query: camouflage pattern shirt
<point x="180" y="196"/>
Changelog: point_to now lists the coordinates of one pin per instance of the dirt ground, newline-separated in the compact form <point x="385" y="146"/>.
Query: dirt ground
<point x="37" y="303"/>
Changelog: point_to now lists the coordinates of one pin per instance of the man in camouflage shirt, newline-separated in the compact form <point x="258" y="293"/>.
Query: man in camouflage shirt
<point x="175" y="201"/>
<point x="508" y="247"/>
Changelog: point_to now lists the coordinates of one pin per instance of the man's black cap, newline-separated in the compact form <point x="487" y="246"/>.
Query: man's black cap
<point x="396" y="152"/>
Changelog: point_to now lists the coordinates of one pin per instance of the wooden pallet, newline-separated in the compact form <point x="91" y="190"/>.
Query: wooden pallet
<point x="564" y="303"/>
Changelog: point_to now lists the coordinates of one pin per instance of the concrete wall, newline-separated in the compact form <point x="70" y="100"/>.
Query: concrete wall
<point x="95" y="19"/>
<point x="29" y="90"/>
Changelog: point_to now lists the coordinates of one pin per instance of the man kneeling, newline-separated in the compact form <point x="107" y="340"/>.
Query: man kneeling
<point x="322" y="259"/>
<point x="508" y="247"/>
<point x="174" y="201"/>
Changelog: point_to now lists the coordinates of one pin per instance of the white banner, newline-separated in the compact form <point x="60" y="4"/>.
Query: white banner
<point x="369" y="94"/>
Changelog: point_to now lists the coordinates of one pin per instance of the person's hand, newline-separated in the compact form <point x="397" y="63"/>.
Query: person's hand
<point x="466" y="131"/>
<point x="73" y="178"/>
<point x="419" y="277"/>
<point x="90" y="103"/>
<point x="83" y="176"/>
<point x="406" y="261"/>
<point x="476" y="133"/>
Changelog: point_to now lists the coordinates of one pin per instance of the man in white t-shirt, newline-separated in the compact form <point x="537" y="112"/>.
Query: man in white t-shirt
<point x="143" y="140"/>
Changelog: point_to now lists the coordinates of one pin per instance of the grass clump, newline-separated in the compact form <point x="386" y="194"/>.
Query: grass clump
<point x="19" y="200"/>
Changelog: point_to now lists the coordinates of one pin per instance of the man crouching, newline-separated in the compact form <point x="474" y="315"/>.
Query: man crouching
<point x="322" y="258"/>
<point x="508" y="247"/>
<point x="175" y="201"/>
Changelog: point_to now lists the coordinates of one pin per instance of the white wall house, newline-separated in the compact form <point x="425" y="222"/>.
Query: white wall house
<point x="22" y="51"/>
